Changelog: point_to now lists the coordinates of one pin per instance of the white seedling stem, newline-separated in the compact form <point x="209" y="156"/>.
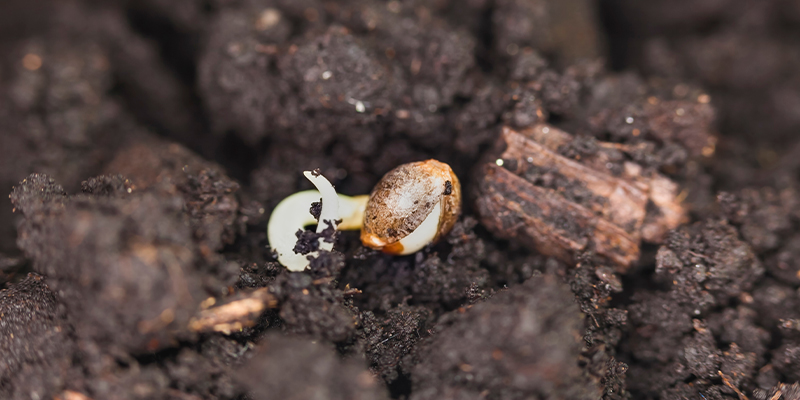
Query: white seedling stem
<point x="292" y="214"/>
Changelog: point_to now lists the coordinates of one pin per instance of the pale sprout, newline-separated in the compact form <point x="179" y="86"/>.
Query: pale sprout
<point x="292" y="214"/>
<point x="412" y="206"/>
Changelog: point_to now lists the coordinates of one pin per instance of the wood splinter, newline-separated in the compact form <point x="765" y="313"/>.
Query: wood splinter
<point x="234" y="315"/>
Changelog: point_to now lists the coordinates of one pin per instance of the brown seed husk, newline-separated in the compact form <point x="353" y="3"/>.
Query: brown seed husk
<point x="404" y="197"/>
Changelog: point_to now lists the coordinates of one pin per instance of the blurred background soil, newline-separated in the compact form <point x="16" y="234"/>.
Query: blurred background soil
<point x="144" y="144"/>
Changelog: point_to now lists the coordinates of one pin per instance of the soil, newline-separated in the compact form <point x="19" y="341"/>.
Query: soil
<point x="144" y="144"/>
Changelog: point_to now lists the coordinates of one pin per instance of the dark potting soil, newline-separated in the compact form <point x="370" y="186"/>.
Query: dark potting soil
<point x="148" y="141"/>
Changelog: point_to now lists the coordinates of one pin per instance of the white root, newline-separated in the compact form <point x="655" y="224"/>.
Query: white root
<point x="292" y="214"/>
<point x="424" y="234"/>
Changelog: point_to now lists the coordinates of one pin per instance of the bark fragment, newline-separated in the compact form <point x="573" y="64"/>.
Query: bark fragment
<point x="562" y="195"/>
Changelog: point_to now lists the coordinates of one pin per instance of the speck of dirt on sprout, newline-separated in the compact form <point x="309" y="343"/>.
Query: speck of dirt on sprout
<point x="394" y="6"/>
<point x="268" y="18"/>
<point x="32" y="62"/>
<point x="512" y="49"/>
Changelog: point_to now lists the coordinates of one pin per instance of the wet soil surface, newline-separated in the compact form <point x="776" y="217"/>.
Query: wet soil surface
<point x="143" y="145"/>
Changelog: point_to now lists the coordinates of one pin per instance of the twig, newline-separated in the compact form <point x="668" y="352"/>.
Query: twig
<point x="728" y="383"/>
<point x="234" y="315"/>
